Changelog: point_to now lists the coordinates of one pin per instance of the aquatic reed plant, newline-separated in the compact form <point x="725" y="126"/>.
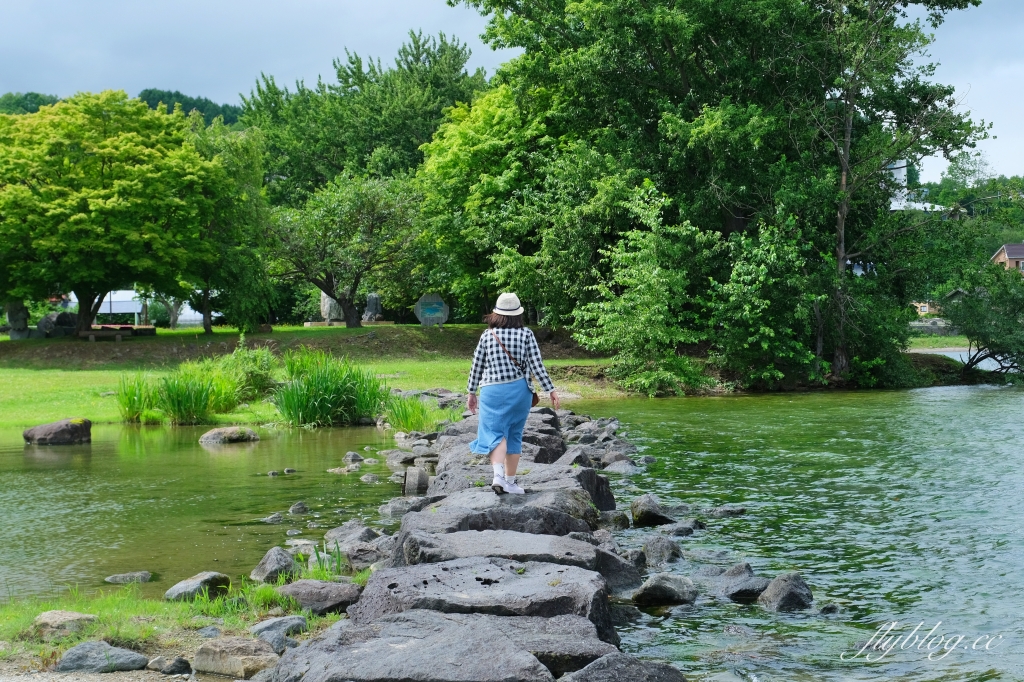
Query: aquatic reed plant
<point x="252" y="368"/>
<point x="134" y="397"/>
<point x="185" y="398"/>
<point x="326" y="391"/>
<point x="413" y="414"/>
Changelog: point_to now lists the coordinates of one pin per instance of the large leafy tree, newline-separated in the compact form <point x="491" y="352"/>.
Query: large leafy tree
<point x="345" y="235"/>
<point x="24" y="102"/>
<point x="775" y="123"/>
<point x="98" y="192"/>
<point x="372" y="119"/>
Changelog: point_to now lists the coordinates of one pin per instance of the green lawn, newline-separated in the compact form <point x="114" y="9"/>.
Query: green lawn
<point x="931" y="342"/>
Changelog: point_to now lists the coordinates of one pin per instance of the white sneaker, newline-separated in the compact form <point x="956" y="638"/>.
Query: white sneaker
<point x="513" y="488"/>
<point x="498" y="485"/>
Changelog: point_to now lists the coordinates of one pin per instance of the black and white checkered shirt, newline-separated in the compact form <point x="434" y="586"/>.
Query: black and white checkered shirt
<point x="491" y="365"/>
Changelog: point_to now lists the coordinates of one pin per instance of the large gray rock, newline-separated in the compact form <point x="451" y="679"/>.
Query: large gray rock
<point x="493" y="586"/>
<point x="362" y="555"/>
<point x="521" y="518"/>
<point x="100" y="657"/>
<point x="787" y="592"/>
<point x="64" y="432"/>
<point x="286" y="625"/>
<point x="214" y="584"/>
<point x="234" y="657"/>
<point x="660" y="550"/>
<point x="613" y="520"/>
<point x="665" y="588"/>
<point x="397" y="458"/>
<point x="351" y="531"/>
<point x="648" y="512"/>
<point x="417" y="480"/>
<point x="229" y="434"/>
<point x="572" y="501"/>
<point x="275" y="563"/>
<point x="619" y="667"/>
<point x="320" y="596"/>
<point x="417" y="547"/>
<point x="428" y="646"/>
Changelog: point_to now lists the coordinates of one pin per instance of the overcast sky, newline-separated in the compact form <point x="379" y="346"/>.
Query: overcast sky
<point x="217" y="48"/>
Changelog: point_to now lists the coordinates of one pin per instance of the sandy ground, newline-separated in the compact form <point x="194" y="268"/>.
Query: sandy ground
<point x="10" y="671"/>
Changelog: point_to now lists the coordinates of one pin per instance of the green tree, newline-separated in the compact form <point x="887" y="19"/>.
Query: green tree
<point x="987" y="306"/>
<point x="210" y="110"/>
<point x="373" y="119"/>
<point x="228" y="271"/>
<point x="353" y="230"/>
<point x="24" y="102"/>
<point x="97" y="193"/>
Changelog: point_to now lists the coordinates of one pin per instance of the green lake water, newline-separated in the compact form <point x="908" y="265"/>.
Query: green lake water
<point x="897" y="506"/>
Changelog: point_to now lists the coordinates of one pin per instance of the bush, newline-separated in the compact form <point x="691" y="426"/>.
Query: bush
<point x="326" y="391"/>
<point x="185" y="398"/>
<point x="253" y="370"/>
<point x="134" y="397"/>
<point x="223" y="384"/>
<point x="413" y="414"/>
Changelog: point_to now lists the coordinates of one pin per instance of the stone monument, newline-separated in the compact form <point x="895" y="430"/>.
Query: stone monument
<point x="431" y="309"/>
<point x="330" y="309"/>
<point x="17" y="318"/>
<point x="374" y="310"/>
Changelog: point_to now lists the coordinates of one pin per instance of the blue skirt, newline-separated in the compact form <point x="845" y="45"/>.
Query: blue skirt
<point x="503" y="412"/>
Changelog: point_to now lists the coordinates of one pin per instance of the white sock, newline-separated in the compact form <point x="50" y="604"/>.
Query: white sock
<point x="499" y="470"/>
<point x="510" y="479"/>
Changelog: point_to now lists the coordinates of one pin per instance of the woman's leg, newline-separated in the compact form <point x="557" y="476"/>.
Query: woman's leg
<point x="511" y="464"/>
<point x="499" y="455"/>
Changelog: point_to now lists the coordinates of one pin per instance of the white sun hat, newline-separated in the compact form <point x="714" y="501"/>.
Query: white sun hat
<point x="508" y="304"/>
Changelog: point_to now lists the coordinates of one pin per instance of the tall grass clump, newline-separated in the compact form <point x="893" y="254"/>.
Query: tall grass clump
<point x="223" y="384"/>
<point x="413" y="414"/>
<point x="326" y="391"/>
<point x="185" y="398"/>
<point x="135" y="397"/>
<point x="253" y="369"/>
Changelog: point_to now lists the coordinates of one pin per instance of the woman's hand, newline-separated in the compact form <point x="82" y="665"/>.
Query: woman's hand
<point x="554" y="401"/>
<point x="472" y="402"/>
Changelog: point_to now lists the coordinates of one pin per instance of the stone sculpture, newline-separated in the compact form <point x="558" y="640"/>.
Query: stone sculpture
<point x="374" y="310"/>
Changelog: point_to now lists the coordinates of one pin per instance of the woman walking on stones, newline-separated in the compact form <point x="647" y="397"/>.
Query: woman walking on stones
<point x="504" y="364"/>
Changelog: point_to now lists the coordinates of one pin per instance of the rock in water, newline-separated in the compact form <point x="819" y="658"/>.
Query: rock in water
<point x="447" y="647"/>
<point x="100" y="657"/>
<point x="228" y="434"/>
<point x="298" y="508"/>
<point x="321" y="596"/>
<point x="179" y="666"/>
<point x="286" y="625"/>
<point x="275" y="563"/>
<point x="126" y="578"/>
<point x="620" y="667"/>
<point x="666" y="588"/>
<point x="215" y="584"/>
<point x="787" y="592"/>
<point x="352" y="457"/>
<point x="51" y="625"/>
<point x="613" y="520"/>
<point x="64" y="432"/>
<point x="234" y="657"/>
<point x="648" y="512"/>
<point x="661" y="550"/>
<point x="494" y="586"/>
<point x="416" y="481"/>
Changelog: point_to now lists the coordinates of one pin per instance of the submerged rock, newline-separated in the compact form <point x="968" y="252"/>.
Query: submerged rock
<point x="787" y="592"/>
<point x="665" y="588"/>
<point x="299" y="507"/>
<point x="648" y="512"/>
<point x="660" y="550"/>
<point x="128" y="578"/>
<point x="619" y="667"/>
<point x="228" y="434"/>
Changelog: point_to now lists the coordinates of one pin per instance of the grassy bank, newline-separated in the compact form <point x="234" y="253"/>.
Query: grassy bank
<point x="934" y="342"/>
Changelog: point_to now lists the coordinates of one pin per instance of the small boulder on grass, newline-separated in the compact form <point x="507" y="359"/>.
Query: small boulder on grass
<point x="212" y="583"/>
<point x="51" y="625"/>
<point x="275" y="563"/>
<point x="235" y="657"/>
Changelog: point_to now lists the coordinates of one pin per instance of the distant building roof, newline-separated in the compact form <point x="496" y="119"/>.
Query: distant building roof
<point x="1012" y="251"/>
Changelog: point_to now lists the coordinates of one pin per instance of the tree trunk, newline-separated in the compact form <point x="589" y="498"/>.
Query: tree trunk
<point x="145" y="312"/>
<point x="207" y="313"/>
<point x="352" y="317"/>
<point x="88" y="307"/>
<point x="840" y="357"/>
